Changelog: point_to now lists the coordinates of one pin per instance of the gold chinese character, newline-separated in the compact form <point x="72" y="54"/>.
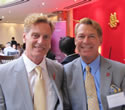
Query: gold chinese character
<point x="113" y="20"/>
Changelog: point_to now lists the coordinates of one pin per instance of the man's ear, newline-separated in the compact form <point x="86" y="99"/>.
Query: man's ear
<point x="100" y="40"/>
<point x="24" y="37"/>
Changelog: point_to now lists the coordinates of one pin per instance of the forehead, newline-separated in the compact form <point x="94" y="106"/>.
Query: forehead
<point x="86" y="28"/>
<point x="41" y="27"/>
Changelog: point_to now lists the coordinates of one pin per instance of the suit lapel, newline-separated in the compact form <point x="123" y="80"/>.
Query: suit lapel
<point x="79" y="82"/>
<point x="105" y="80"/>
<point x="24" y="84"/>
<point x="52" y="74"/>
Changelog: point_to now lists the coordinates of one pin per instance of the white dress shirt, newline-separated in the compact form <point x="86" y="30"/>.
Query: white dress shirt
<point x="50" y="92"/>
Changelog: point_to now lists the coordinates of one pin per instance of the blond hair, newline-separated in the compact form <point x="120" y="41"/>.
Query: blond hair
<point x="36" y="18"/>
<point x="91" y="22"/>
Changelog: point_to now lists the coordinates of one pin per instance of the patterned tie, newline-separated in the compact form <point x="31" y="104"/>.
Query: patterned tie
<point x="91" y="91"/>
<point x="39" y="91"/>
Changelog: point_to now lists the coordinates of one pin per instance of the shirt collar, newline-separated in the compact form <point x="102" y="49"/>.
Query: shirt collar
<point x="30" y="65"/>
<point x="94" y="65"/>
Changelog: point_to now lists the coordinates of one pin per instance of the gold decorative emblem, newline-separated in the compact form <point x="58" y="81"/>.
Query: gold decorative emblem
<point x="113" y="20"/>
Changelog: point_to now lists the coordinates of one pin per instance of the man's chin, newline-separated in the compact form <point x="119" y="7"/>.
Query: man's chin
<point x="86" y="55"/>
<point x="38" y="54"/>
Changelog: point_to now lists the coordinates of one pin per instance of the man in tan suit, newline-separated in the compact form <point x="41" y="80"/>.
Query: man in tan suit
<point x="17" y="78"/>
<point x="105" y="72"/>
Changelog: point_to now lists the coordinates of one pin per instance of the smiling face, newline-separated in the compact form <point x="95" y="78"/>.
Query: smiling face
<point x="87" y="42"/>
<point x="38" y="41"/>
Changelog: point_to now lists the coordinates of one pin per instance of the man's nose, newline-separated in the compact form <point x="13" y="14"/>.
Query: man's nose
<point x="40" y="39"/>
<point x="85" y="40"/>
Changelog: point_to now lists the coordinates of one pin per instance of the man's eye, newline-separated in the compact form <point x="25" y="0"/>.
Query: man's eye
<point x="81" y="37"/>
<point x="91" y="36"/>
<point x="46" y="37"/>
<point x="35" y="36"/>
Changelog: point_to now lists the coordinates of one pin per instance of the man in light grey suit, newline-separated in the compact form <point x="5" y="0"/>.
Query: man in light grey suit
<point x="104" y="71"/>
<point x="17" y="78"/>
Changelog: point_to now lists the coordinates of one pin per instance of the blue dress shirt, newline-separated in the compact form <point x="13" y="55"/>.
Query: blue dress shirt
<point x="95" y="71"/>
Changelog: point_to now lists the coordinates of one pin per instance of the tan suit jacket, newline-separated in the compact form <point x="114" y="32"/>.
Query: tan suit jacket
<point x="14" y="88"/>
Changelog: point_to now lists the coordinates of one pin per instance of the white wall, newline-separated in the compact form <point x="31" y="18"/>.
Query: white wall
<point x="9" y="30"/>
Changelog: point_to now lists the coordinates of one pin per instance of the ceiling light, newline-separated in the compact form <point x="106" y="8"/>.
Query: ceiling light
<point x="2" y="17"/>
<point x="43" y="3"/>
<point x="8" y="3"/>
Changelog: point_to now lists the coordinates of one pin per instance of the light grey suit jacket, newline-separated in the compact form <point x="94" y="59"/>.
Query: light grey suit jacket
<point x="14" y="88"/>
<point x="74" y="88"/>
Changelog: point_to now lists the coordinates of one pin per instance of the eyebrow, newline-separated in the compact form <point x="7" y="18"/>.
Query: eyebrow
<point x="35" y="33"/>
<point x="84" y="34"/>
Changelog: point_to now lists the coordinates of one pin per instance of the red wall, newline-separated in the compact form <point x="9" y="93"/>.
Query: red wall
<point x="113" y="38"/>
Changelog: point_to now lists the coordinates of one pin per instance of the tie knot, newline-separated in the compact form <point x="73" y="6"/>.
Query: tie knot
<point x="38" y="70"/>
<point x="88" y="68"/>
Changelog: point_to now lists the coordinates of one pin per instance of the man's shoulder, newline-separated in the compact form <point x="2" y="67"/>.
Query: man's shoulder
<point x="7" y="69"/>
<point x="113" y="63"/>
<point x="10" y="65"/>
<point x="73" y="64"/>
<point x="53" y="63"/>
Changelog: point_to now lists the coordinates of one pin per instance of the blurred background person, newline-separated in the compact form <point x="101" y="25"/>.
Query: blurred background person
<point x="10" y="51"/>
<point x="20" y="49"/>
<point x="24" y="46"/>
<point x="51" y="55"/>
<point x="14" y="46"/>
<point x="67" y="46"/>
<point x="7" y="48"/>
<point x="13" y="41"/>
<point x="1" y="49"/>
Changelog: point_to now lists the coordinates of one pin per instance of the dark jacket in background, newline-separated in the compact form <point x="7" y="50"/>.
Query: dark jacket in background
<point x="69" y="58"/>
